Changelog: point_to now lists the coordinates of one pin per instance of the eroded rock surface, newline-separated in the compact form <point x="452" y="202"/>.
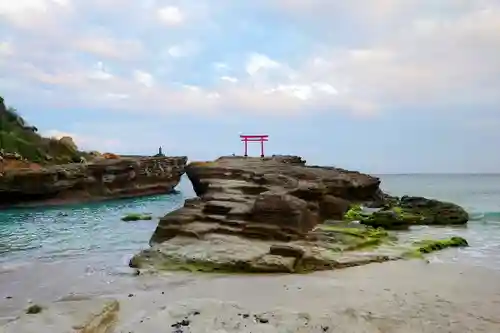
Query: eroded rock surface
<point x="102" y="179"/>
<point x="276" y="198"/>
<point x="257" y="215"/>
<point x="268" y="215"/>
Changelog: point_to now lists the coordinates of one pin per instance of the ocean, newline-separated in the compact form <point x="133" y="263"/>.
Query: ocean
<point x="91" y="239"/>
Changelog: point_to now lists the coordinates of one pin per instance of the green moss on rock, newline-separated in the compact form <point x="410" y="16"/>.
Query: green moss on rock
<point x="395" y="218"/>
<point x="350" y="239"/>
<point x="136" y="217"/>
<point x="435" y="212"/>
<point x="429" y="245"/>
<point x="355" y="213"/>
<point x="411" y="211"/>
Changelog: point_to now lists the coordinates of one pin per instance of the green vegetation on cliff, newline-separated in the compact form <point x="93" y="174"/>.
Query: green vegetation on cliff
<point x="17" y="137"/>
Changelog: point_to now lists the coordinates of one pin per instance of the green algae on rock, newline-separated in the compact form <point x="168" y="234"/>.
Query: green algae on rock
<point x="137" y="217"/>
<point x="419" y="248"/>
<point x="355" y="213"/>
<point x="218" y="253"/>
<point x="429" y="245"/>
<point x="408" y="211"/>
<point x="349" y="238"/>
<point x="394" y="218"/>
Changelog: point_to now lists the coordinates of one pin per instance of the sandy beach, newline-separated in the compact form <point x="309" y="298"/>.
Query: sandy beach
<point x="409" y="296"/>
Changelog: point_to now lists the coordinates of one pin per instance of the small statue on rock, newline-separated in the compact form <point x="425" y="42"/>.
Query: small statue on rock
<point x="160" y="153"/>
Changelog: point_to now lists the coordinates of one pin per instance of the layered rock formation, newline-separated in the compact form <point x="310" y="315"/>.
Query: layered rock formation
<point x="275" y="198"/>
<point x="102" y="179"/>
<point x="266" y="215"/>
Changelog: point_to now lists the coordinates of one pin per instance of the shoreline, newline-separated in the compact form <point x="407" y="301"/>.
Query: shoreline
<point x="403" y="296"/>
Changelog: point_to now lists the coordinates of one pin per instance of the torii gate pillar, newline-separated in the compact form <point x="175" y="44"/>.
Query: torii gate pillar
<point x="254" y="138"/>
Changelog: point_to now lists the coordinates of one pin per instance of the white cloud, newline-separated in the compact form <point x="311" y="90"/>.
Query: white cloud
<point x="99" y="73"/>
<point x="144" y="78"/>
<point x="110" y="48"/>
<point x="25" y="6"/>
<point x="6" y="49"/>
<point x="229" y="79"/>
<point x="220" y="66"/>
<point x="182" y="50"/>
<point x="86" y="142"/>
<point x="403" y="54"/>
<point x="257" y="62"/>
<point x="170" y="15"/>
<point x="32" y="14"/>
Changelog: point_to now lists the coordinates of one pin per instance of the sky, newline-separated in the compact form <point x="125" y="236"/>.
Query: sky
<point x="380" y="86"/>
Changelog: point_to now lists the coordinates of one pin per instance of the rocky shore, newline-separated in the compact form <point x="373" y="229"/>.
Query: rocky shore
<point x="97" y="180"/>
<point x="270" y="215"/>
<point x="397" y="297"/>
<point x="278" y="215"/>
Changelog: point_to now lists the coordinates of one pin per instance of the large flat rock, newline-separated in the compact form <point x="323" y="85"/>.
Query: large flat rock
<point x="99" y="180"/>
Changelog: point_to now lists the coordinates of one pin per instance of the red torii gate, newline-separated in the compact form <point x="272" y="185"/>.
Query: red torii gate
<point x="254" y="138"/>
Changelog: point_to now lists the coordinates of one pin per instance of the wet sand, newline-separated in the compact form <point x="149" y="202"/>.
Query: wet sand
<point x="410" y="296"/>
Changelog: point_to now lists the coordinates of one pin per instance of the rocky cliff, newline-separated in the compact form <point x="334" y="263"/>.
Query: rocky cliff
<point x="99" y="180"/>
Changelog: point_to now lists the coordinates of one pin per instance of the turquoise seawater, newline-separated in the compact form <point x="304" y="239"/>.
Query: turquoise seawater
<point x="94" y="236"/>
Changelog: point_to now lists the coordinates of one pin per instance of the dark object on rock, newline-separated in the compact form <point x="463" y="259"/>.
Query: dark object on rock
<point x="160" y="153"/>
<point x="34" y="309"/>
<point x="184" y="322"/>
<point x="260" y="319"/>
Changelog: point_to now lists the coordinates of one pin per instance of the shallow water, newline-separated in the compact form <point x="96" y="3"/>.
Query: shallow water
<point x="93" y="237"/>
<point x="478" y="194"/>
<point x="91" y="233"/>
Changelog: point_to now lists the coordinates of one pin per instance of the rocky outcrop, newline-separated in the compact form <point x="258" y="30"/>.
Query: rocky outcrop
<point x="277" y="198"/>
<point x="404" y="212"/>
<point x="265" y="215"/>
<point x="434" y="212"/>
<point x="274" y="215"/>
<point x="100" y="180"/>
